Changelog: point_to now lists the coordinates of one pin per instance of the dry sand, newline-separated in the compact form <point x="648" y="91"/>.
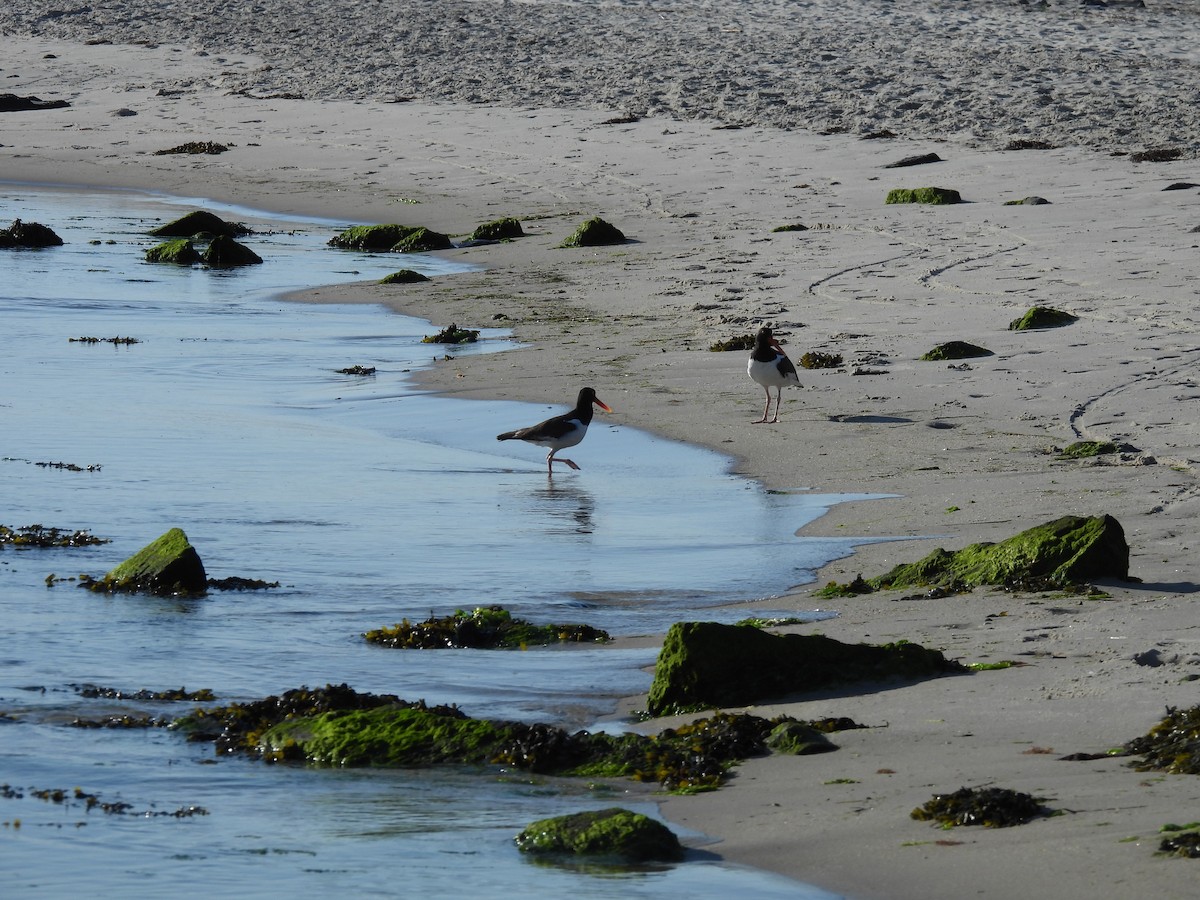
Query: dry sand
<point x="968" y="451"/>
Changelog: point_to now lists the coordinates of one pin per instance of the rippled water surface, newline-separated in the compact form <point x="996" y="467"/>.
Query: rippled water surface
<point x="369" y="502"/>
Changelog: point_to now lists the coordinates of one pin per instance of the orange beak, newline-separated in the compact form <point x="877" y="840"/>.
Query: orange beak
<point x="600" y="403"/>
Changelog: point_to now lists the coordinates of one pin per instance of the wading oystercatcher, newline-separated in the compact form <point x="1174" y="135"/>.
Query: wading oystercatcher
<point x="562" y="431"/>
<point x="771" y="368"/>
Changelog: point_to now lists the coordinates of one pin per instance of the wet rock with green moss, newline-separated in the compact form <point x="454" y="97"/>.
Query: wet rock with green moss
<point x="484" y="628"/>
<point x="180" y="252"/>
<point x="930" y="195"/>
<point x="1065" y="551"/>
<point x="404" y="276"/>
<point x="1039" y="317"/>
<point x="703" y="665"/>
<point x="200" y="222"/>
<point x="955" y="350"/>
<point x="613" y="833"/>
<point x="798" y="739"/>
<point x="422" y="240"/>
<point x="595" y="232"/>
<point x="504" y="229"/>
<point x="168" y="566"/>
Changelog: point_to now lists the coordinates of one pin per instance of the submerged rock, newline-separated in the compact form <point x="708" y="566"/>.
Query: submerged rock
<point x="490" y="627"/>
<point x="595" y="232"/>
<point x="932" y="195"/>
<point x="167" y="566"/>
<point x="28" y="234"/>
<point x="225" y="253"/>
<point x="180" y="251"/>
<point x="376" y="238"/>
<point x="200" y="222"/>
<point x="615" y="832"/>
<point x="1042" y="317"/>
<point x="1065" y="551"/>
<point x="705" y="664"/>
<point x="452" y="334"/>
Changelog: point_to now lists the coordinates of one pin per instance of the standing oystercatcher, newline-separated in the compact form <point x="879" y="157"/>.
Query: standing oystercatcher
<point x="771" y="368"/>
<point x="562" y="431"/>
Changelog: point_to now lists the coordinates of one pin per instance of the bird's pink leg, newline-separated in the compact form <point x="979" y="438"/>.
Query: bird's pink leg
<point x="766" y="409"/>
<point x="778" y="400"/>
<point x="550" y="461"/>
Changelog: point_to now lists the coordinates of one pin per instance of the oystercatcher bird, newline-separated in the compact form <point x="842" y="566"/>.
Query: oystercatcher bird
<point x="771" y="368"/>
<point x="562" y="431"/>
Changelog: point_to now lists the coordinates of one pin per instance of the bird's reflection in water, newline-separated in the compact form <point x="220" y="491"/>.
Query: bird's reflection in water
<point x="569" y="508"/>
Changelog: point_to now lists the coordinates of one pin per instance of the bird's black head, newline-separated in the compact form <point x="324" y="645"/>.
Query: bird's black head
<point x="587" y="397"/>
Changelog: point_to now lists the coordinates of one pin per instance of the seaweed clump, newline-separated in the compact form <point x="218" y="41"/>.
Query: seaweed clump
<point x="452" y="334"/>
<point x="817" y="360"/>
<point x="738" y="342"/>
<point x="1173" y="745"/>
<point x="990" y="807"/>
<point x="484" y="628"/>
<point x="1184" y="844"/>
<point x="41" y="536"/>
<point x="195" y="148"/>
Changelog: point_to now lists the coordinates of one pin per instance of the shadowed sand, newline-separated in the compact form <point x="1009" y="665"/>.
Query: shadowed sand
<point x="967" y="448"/>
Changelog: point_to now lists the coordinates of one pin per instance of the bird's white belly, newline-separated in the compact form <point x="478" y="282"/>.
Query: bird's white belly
<point x="768" y="375"/>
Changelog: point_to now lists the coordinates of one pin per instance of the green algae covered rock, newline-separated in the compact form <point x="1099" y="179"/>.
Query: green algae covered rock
<point x="1065" y="551"/>
<point x="225" y="253"/>
<point x="609" y="833"/>
<point x="422" y="240"/>
<point x="179" y="251"/>
<point x="200" y="222"/>
<point x="1084" y="449"/>
<point x="705" y="664"/>
<point x="28" y="234"/>
<point x="377" y="238"/>
<point x="955" y="350"/>
<point x="933" y="195"/>
<point x="500" y="230"/>
<point x="403" y="276"/>
<point x="1042" y="317"/>
<point x="798" y="739"/>
<point x="167" y="566"/>
<point x="595" y="232"/>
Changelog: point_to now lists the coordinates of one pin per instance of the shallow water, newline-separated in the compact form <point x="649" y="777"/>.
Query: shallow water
<point x="370" y="502"/>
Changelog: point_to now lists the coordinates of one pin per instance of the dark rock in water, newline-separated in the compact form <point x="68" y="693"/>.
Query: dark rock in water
<point x="1028" y="201"/>
<point x="403" y="276"/>
<point x="224" y="252"/>
<point x="613" y="833"/>
<point x="422" y="240"/>
<point x="28" y="234"/>
<point x="1181" y="186"/>
<point x="1063" y="552"/>
<point x="706" y="664"/>
<point x="180" y="251"/>
<point x="919" y="160"/>
<point x="500" y="230"/>
<point x="1042" y="317"/>
<point x="932" y="195"/>
<point x="168" y="566"/>
<point x="595" y="232"/>
<point x="955" y="350"/>
<point x="376" y="238"/>
<point x="13" y="103"/>
<point x="200" y="222"/>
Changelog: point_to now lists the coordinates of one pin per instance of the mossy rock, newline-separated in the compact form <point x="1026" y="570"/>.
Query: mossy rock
<point x="1042" y="317"/>
<point x="226" y="253"/>
<point x="1063" y="552"/>
<point x="705" y="664"/>
<point x="613" y="833"/>
<point x="373" y="238"/>
<point x="595" y="232"/>
<point x="167" y="566"/>
<point x="179" y="251"/>
<point x="955" y="350"/>
<point x="28" y="234"/>
<point x="422" y="240"/>
<point x="1028" y="201"/>
<point x="991" y="807"/>
<point x="485" y="628"/>
<point x="200" y="222"/>
<point x="795" y="226"/>
<point x="404" y="276"/>
<point x="931" y="195"/>
<point x="798" y="739"/>
<point x="500" y="230"/>
<point x="1085" y="449"/>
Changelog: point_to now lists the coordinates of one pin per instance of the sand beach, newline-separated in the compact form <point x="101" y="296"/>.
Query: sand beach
<point x="697" y="129"/>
